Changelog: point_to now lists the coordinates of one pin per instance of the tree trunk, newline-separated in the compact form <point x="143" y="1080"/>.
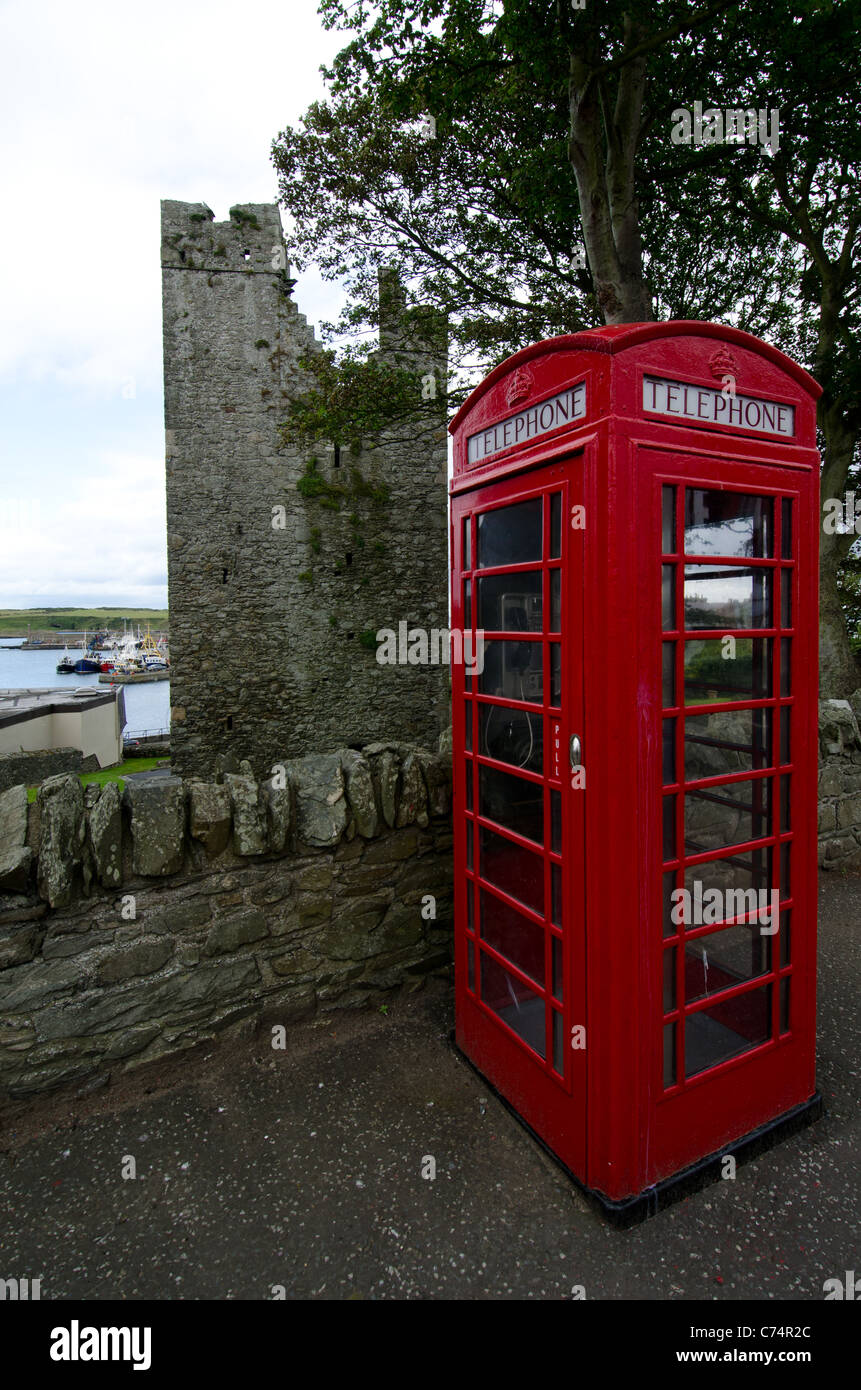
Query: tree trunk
<point x="839" y="668"/>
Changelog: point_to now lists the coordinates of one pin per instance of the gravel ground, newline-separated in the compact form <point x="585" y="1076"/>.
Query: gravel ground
<point x="304" y="1169"/>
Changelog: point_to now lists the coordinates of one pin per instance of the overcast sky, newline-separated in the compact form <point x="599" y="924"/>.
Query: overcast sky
<point x="106" y="109"/>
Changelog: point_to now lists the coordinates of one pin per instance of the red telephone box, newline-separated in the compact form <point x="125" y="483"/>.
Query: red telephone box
<point x="635" y="526"/>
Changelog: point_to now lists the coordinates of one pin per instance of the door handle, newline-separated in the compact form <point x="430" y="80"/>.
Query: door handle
<point x="575" y="750"/>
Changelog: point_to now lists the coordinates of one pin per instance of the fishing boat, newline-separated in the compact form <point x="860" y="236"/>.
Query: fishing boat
<point x="66" y="664"/>
<point x="153" y="654"/>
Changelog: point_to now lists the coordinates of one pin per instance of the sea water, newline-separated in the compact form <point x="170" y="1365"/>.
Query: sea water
<point x="147" y="705"/>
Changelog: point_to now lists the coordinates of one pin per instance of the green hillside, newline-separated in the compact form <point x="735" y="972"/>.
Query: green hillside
<point x="48" y="622"/>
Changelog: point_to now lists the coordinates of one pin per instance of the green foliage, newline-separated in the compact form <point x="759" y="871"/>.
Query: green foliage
<point x="262" y="343"/>
<point x="352" y="396"/>
<point x="316" y="540"/>
<point x="306" y="576"/>
<point x="314" y="487"/>
<point x="220" y="251"/>
<point x="368" y="639"/>
<point x="242" y="218"/>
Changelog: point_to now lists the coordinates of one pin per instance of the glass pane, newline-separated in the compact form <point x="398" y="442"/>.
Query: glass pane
<point x="786" y="665"/>
<point x="736" y="872"/>
<point x="467" y="724"/>
<point x="513" y="936"/>
<point x="469" y="898"/>
<point x="514" y="1002"/>
<point x="669" y="769"/>
<point x="726" y="958"/>
<point x="785" y="988"/>
<point x="785" y="876"/>
<point x="510" y="535"/>
<point x="670" y="927"/>
<point x="510" y="602"/>
<point x="555" y="525"/>
<point x="669" y="827"/>
<point x="556" y="895"/>
<point x="669" y="674"/>
<point x="558" y="1044"/>
<point x="727" y="741"/>
<point x="719" y="596"/>
<point x="470" y="961"/>
<point x="784" y="803"/>
<point x="556" y="821"/>
<point x="467" y="543"/>
<point x="668" y="597"/>
<point x="512" y="802"/>
<point x="785" y="937"/>
<point x="514" y="869"/>
<point x="785" y="726"/>
<point x="469" y="844"/>
<point x="512" y="670"/>
<point x="556" y="958"/>
<point x="555" y="600"/>
<point x="467" y="603"/>
<point x="729" y="814"/>
<point x="669" y="979"/>
<point x="727" y="523"/>
<point x="468" y="766"/>
<point x="786" y="529"/>
<point x="786" y="598"/>
<point x="726" y="1030"/>
<point x="713" y="678"/>
<point x="668" y="519"/>
<point x="670" y="1055"/>
<point x="511" y="736"/>
<point x="555" y="674"/>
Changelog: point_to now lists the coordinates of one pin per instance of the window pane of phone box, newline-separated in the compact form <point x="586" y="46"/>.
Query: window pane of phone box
<point x="730" y="813"/>
<point x="727" y="741"/>
<point x="512" y="670"/>
<point x="726" y="1030"/>
<point x="727" y="523"/>
<point x="514" y="1002"/>
<point x="516" y="870"/>
<point x="512" y="802"/>
<point x="510" y="535"/>
<point x="718" y="670"/>
<point x="726" y="958"/>
<point x="510" y="602"/>
<point x="513" y="936"/>
<point x="512" y="736"/>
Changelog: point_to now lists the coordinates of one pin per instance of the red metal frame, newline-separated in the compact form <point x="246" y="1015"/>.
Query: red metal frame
<point x="610" y="1118"/>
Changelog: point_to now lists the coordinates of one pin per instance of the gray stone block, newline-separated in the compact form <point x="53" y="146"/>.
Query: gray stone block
<point x="157" y="827"/>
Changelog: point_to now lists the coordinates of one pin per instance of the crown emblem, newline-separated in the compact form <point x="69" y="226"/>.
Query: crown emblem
<point x="722" y="363"/>
<point x="520" y="386"/>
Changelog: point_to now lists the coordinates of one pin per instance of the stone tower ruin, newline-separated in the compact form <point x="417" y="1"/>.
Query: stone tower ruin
<point x="284" y="563"/>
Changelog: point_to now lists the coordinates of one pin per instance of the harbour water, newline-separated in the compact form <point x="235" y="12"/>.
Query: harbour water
<point x="147" y="706"/>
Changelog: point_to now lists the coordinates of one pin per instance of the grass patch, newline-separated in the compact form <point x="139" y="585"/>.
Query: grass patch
<point x="113" y="774"/>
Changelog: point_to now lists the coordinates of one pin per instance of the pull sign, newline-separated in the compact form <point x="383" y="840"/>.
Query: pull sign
<point x="556" y="742"/>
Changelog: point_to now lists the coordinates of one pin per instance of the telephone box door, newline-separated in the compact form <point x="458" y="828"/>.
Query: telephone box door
<point x="517" y="557"/>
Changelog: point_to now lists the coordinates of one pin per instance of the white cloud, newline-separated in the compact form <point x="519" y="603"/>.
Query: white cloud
<point x="105" y="532"/>
<point x="104" y="111"/>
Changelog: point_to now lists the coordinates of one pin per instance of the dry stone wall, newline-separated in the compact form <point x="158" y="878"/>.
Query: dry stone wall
<point x="136" y="926"/>
<point x="840" y="783"/>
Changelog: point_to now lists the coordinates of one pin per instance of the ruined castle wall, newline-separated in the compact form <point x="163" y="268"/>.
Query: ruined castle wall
<point x="272" y="650"/>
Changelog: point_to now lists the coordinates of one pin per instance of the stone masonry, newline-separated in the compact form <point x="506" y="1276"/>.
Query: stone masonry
<point x="272" y="626"/>
<point x="136" y="926"/>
